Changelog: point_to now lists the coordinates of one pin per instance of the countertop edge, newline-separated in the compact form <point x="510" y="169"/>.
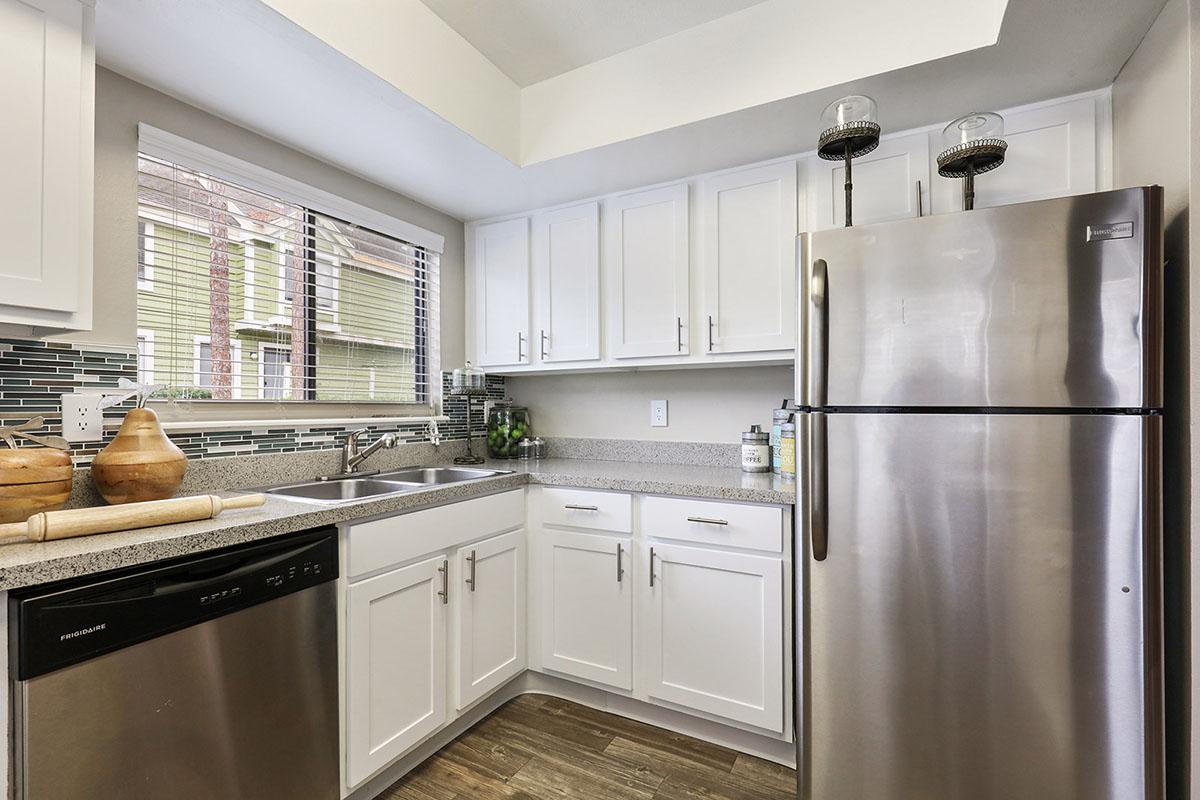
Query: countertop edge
<point x="72" y="558"/>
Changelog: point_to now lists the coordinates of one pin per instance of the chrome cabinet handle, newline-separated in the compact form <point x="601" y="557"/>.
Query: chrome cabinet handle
<point x="920" y="201"/>
<point x="471" y="575"/>
<point x="574" y="507"/>
<point x="679" y="334"/>
<point x="710" y="333"/>
<point x="818" y="484"/>
<point x="620" y="566"/>
<point x="651" y="567"/>
<point x="818" y="362"/>
<point x="445" y="592"/>
<point x="708" y="520"/>
<point x="542" y="348"/>
<point x="520" y="346"/>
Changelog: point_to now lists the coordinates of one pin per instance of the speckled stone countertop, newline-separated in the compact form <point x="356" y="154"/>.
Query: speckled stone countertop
<point x="30" y="564"/>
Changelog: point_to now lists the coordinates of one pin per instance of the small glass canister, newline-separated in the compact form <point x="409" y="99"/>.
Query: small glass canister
<point x="756" y="450"/>
<point x="787" y="450"/>
<point x="778" y="417"/>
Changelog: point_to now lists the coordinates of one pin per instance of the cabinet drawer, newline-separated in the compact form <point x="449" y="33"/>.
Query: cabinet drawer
<point x="580" y="508"/>
<point x="384" y="542"/>
<point x="733" y="525"/>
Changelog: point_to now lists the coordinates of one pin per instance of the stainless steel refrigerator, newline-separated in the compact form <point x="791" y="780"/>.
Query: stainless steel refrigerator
<point x="978" y="551"/>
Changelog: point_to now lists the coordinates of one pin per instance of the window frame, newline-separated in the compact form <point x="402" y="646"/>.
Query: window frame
<point x="163" y="145"/>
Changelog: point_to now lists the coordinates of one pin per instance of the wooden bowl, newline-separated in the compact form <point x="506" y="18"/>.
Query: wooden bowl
<point x="33" y="479"/>
<point x="141" y="463"/>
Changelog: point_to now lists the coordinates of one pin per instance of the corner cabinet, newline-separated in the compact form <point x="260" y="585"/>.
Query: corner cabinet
<point x="500" y="281"/>
<point x="47" y="60"/>
<point x="586" y="591"/>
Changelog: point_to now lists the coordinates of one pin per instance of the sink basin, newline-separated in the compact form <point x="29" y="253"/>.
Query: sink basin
<point x="432" y="475"/>
<point x="344" y="490"/>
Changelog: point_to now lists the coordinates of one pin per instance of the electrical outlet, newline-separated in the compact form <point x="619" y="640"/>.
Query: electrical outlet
<point x="82" y="420"/>
<point x="658" y="413"/>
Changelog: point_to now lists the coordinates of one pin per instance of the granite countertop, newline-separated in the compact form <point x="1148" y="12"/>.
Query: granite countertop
<point x="30" y="564"/>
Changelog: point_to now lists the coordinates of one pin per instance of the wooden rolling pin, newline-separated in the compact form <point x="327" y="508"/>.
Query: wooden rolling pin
<point x="49" y="525"/>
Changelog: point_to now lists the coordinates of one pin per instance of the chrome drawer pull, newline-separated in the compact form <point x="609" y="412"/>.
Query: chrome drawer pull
<point x="574" y="507"/>
<point x="708" y="520"/>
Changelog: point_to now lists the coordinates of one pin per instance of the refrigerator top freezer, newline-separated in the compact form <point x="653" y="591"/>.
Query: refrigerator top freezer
<point x="1051" y="304"/>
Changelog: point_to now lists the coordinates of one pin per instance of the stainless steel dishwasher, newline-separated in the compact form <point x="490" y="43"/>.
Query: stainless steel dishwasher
<point x="209" y="677"/>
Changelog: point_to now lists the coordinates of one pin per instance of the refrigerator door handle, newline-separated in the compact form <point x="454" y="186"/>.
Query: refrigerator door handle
<point x="818" y="483"/>
<point x="818" y="363"/>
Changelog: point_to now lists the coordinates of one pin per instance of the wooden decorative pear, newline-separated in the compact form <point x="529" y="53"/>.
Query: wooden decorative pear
<point x="32" y="479"/>
<point x="141" y="463"/>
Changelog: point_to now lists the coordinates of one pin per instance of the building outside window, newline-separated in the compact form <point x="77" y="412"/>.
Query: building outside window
<point x="317" y="308"/>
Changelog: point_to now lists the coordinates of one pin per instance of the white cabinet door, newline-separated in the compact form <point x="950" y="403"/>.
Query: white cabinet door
<point x="586" y="601"/>
<point x="714" y="634"/>
<point x="885" y="184"/>
<point x="501" y="287"/>
<point x="47" y="138"/>
<point x="396" y="664"/>
<point x="646" y="270"/>
<point x="749" y="260"/>
<point x="490" y="609"/>
<point x="566" y="257"/>
<point x="1051" y="153"/>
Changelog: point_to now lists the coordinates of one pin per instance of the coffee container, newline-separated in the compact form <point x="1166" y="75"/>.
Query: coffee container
<point x="778" y="417"/>
<point x="756" y="450"/>
<point x="787" y="450"/>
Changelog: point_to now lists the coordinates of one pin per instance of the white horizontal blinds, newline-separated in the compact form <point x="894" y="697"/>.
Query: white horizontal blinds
<point x="255" y="298"/>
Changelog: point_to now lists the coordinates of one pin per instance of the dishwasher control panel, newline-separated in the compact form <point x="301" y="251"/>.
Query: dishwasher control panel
<point x="70" y="622"/>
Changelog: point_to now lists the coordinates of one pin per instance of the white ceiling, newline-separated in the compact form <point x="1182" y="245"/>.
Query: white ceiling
<point x="531" y="40"/>
<point x="226" y="56"/>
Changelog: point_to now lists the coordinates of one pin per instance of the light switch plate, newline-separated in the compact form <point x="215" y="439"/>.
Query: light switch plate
<point x="82" y="419"/>
<point x="658" y="413"/>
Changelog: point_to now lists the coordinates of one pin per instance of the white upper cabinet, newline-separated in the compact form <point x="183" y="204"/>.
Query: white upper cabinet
<point x="748" y="263"/>
<point x="501" y="286"/>
<point x="886" y="184"/>
<point x="1051" y="153"/>
<point x="646" y="270"/>
<point x="47" y="79"/>
<point x="566" y="258"/>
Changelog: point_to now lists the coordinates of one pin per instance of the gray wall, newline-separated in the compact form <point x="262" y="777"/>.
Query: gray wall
<point x="1154" y="141"/>
<point x="703" y="405"/>
<point x="121" y="104"/>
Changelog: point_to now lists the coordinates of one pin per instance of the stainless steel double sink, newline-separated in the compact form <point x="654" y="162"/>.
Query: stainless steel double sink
<point x="344" y="490"/>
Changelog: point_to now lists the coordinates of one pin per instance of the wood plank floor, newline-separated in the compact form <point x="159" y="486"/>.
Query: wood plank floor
<point x="541" y="748"/>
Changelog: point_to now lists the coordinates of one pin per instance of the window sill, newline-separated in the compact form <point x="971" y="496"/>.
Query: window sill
<point x="201" y="425"/>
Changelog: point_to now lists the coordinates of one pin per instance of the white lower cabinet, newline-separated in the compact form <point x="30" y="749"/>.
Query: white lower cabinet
<point x="586" y="602"/>
<point x="489" y="645"/>
<point x="713" y="633"/>
<point x="396" y="664"/>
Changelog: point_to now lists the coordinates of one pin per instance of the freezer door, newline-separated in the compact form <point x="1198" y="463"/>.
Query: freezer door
<point x="1049" y="304"/>
<point x="983" y="621"/>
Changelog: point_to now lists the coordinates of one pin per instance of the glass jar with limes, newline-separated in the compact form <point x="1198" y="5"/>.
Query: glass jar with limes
<point x="507" y="425"/>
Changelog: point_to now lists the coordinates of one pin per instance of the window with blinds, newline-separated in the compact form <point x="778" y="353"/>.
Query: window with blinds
<point x="244" y="296"/>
